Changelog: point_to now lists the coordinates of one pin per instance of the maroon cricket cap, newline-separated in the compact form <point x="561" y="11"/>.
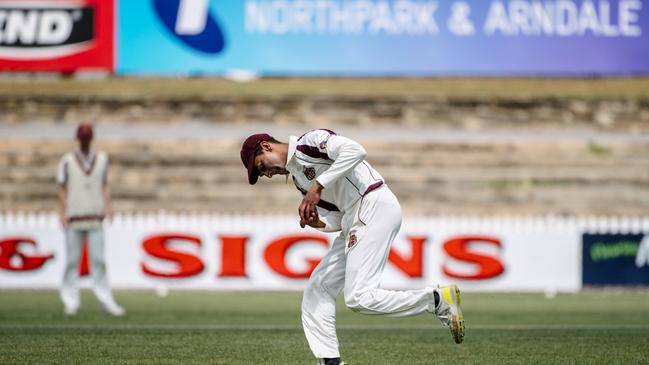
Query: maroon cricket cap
<point x="84" y="131"/>
<point x="248" y="150"/>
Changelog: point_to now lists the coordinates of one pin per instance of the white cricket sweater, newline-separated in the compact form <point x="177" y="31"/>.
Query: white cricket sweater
<point x="84" y="180"/>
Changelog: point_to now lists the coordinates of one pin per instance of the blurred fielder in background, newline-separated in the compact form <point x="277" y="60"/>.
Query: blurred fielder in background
<point x="342" y="192"/>
<point x="84" y="196"/>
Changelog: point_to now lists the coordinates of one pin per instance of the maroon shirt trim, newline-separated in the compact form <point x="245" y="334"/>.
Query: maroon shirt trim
<point x="319" y="129"/>
<point x="82" y="166"/>
<point x="373" y="187"/>
<point x="86" y="218"/>
<point x="321" y="203"/>
<point x="312" y="151"/>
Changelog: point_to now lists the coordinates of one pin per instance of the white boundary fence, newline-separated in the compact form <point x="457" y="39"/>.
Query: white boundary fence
<point x="262" y="252"/>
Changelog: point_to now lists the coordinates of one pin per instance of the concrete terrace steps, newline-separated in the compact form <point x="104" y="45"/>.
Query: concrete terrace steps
<point x="471" y="112"/>
<point x="522" y="176"/>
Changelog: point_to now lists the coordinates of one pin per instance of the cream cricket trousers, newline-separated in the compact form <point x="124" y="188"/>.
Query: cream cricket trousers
<point x="70" y="288"/>
<point x="376" y="223"/>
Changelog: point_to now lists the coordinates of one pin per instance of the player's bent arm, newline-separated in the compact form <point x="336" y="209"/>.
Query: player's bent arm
<point x="346" y="154"/>
<point x="62" y="180"/>
<point x="108" y="210"/>
<point x="62" y="205"/>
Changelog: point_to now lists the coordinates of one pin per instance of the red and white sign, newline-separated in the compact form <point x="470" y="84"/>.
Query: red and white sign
<point x="273" y="253"/>
<point x="56" y="35"/>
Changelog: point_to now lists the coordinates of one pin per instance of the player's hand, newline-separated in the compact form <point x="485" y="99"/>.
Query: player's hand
<point x="314" y="222"/>
<point x="307" y="208"/>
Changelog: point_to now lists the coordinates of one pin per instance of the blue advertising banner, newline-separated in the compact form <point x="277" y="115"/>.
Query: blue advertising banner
<point x="383" y="37"/>
<point x="615" y="259"/>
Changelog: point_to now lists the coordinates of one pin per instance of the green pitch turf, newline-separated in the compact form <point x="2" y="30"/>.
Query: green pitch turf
<point x="264" y="328"/>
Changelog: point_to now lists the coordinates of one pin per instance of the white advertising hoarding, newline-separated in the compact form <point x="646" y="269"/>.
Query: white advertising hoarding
<point x="250" y="252"/>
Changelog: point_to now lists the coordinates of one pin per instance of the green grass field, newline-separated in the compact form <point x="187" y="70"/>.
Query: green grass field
<point x="264" y="328"/>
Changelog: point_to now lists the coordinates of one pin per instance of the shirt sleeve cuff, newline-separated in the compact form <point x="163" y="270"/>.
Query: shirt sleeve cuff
<point x="324" y="180"/>
<point x="329" y="228"/>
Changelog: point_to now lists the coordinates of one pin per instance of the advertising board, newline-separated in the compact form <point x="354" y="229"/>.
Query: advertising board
<point x="615" y="259"/>
<point x="56" y="35"/>
<point x="384" y="37"/>
<point x="273" y="253"/>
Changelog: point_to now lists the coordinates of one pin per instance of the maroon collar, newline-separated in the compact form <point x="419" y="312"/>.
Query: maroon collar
<point x="87" y="171"/>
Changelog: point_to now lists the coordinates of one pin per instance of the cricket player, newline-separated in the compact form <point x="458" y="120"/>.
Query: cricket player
<point x="343" y="193"/>
<point x="84" y="196"/>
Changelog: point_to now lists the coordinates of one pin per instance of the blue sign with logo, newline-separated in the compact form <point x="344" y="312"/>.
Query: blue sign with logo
<point x="196" y="28"/>
<point x="384" y="37"/>
<point x="615" y="259"/>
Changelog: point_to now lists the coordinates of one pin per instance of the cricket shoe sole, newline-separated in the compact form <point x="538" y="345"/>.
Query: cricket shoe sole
<point x="451" y="312"/>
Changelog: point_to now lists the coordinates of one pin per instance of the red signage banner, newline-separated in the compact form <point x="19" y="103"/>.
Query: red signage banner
<point x="57" y="35"/>
<point x="241" y="252"/>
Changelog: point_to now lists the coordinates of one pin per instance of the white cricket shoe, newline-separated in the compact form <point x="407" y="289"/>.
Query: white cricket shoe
<point x="70" y="311"/>
<point x="114" y="310"/>
<point x="448" y="311"/>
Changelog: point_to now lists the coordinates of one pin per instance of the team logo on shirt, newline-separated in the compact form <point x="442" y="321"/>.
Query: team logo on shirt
<point x="309" y="172"/>
<point x="323" y="145"/>
<point x="352" y="239"/>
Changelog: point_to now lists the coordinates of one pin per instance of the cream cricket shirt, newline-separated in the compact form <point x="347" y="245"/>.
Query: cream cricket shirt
<point x="338" y="164"/>
<point x="84" y="178"/>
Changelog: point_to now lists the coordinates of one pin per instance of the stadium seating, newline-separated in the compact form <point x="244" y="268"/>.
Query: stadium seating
<point x="489" y="175"/>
